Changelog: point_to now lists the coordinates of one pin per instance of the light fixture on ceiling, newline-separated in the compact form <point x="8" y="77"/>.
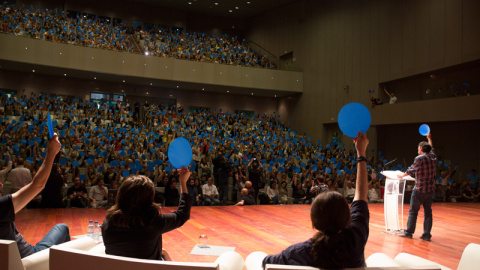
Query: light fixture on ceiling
<point x="123" y="80"/>
<point x="151" y="83"/>
<point x="94" y="78"/>
<point x="33" y="70"/>
<point x="65" y="74"/>
<point x="203" y="89"/>
<point x="228" y="91"/>
<point x="146" y="53"/>
<point x="230" y="10"/>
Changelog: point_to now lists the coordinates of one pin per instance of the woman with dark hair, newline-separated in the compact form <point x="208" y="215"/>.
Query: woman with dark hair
<point x="342" y="231"/>
<point x="133" y="227"/>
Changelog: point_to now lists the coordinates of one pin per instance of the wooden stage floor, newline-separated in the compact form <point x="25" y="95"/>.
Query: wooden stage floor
<point x="271" y="228"/>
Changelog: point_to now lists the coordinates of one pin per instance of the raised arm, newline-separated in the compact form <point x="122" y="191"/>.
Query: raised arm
<point x="429" y="138"/>
<point x="28" y="192"/>
<point x="385" y="89"/>
<point x="361" y="190"/>
<point x="294" y="180"/>
<point x="184" y="175"/>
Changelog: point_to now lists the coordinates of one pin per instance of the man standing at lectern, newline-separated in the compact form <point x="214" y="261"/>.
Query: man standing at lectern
<point x="423" y="170"/>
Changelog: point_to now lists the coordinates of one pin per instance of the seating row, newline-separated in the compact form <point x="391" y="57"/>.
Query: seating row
<point x="91" y="255"/>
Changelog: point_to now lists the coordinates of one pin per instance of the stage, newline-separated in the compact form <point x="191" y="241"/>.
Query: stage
<point x="271" y="228"/>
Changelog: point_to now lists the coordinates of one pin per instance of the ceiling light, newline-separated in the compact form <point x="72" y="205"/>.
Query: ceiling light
<point x="230" y="10"/>
<point x="275" y="95"/>
<point x="252" y="94"/>
<point x="146" y="93"/>
<point x="203" y="89"/>
<point x="216" y="4"/>
<point x="236" y="7"/>
<point x="60" y="53"/>
<point x="248" y="3"/>
<point x="146" y="53"/>
<point x="92" y="57"/>
<point x="171" y="95"/>
<point x="26" y="48"/>
<point x="65" y="74"/>
<point x="177" y="86"/>
<point x="123" y="62"/>
<point x="33" y="70"/>
<point x="228" y="91"/>
<point x="151" y="83"/>
<point x="189" y="3"/>
<point x="94" y="78"/>
<point x="123" y="80"/>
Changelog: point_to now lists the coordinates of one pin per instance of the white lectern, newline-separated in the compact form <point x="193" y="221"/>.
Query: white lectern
<point x="393" y="201"/>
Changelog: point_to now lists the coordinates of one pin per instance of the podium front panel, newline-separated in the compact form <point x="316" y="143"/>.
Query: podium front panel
<point x="393" y="205"/>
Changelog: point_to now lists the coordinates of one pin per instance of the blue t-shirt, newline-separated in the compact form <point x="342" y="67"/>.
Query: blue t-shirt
<point x="8" y="230"/>
<point x="356" y="236"/>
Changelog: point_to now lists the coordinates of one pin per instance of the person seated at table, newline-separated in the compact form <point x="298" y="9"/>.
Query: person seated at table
<point x="342" y="231"/>
<point x="133" y="227"/>
<point x="12" y="203"/>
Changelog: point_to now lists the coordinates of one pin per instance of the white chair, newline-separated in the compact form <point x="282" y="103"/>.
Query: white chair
<point x="470" y="259"/>
<point x="380" y="260"/>
<point x="409" y="260"/>
<point x="62" y="258"/>
<point x="38" y="261"/>
<point x="254" y="260"/>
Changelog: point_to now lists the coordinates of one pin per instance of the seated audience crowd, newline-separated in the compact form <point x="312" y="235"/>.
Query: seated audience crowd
<point x="99" y="32"/>
<point x="104" y="142"/>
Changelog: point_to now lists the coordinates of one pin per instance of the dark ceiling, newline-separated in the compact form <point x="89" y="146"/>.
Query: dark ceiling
<point x="238" y="9"/>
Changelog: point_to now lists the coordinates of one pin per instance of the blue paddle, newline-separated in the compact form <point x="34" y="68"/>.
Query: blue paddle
<point x="50" y="126"/>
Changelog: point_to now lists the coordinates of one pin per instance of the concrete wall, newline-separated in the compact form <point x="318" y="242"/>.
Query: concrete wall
<point x="68" y="57"/>
<point x="363" y="43"/>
